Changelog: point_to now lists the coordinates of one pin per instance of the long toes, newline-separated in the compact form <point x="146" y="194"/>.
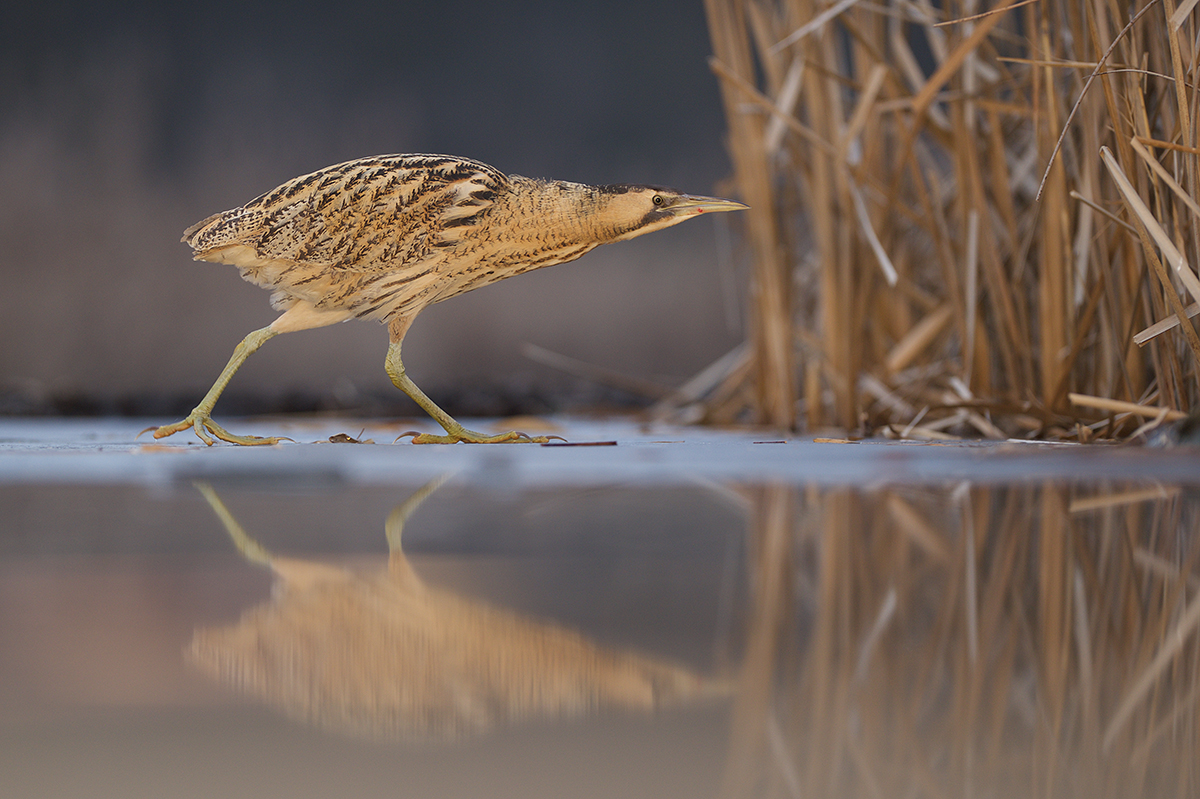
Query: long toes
<point x="519" y="437"/>
<point x="208" y="431"/>
<point x="170" y="429"/>
<point x="511" y="437"/>
<point x="523" y="438"/>
<point x="199" y="426"/>
<point x="470" y="437"/>
<point x="430" y="438"/>
<point x="246" y="441"/>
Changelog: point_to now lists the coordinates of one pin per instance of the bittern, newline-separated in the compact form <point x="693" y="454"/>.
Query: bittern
<point x="383" y="237"/>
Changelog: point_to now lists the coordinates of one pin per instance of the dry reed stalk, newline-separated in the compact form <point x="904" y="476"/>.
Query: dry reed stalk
<point x="1115" y="406"/>
<point x="1006" y="200"/>
<point x="770" y="333"/>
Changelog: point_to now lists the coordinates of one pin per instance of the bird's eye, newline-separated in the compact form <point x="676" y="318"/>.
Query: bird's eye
<point x="658" y="199"/>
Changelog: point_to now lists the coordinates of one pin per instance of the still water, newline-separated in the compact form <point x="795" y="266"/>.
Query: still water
<point x="234" y="638"/>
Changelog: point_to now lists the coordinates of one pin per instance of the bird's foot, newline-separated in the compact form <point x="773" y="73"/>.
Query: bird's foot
<point x="465" y="436"/>
<point x="203" y="425"/>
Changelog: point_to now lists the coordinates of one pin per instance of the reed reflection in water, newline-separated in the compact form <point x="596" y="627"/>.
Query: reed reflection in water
<point x="377" y="653"/>
<point x="1005" y="641"/>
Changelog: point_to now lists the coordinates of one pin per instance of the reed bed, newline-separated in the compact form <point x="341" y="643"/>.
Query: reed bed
<point x="1019" y="641"/>
<point x="967" y="220"/>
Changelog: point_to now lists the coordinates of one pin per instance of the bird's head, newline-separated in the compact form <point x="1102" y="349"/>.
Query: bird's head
<point x="632" y="210"/>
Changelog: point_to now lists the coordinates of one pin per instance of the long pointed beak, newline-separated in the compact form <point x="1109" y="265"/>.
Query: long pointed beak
<point x="687" y="205"/>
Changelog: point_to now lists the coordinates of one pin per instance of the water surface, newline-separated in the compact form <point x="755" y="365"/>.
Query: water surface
<point x="251" y="634"/>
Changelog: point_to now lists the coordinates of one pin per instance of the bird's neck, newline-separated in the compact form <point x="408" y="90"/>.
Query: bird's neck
<point x="566" y="215"/>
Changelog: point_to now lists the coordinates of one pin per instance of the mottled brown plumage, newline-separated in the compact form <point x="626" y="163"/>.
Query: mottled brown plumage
<point x="383" y="237"/>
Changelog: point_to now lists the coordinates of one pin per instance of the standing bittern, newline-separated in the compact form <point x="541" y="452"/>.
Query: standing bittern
<point x="381" y="238"/>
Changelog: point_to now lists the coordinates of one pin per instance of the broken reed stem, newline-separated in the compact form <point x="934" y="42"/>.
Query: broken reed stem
<point x="897" y="230"/>
<point x="1116" y="406"/>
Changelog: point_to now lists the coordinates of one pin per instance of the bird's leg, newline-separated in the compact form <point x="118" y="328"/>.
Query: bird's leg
<point x="455" y="432"/>
<point x="200" y="419"/>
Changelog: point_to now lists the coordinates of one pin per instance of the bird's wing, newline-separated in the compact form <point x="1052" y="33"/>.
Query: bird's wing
<point x="372" y="214"/>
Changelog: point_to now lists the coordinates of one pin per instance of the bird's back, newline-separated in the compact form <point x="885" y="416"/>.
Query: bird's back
<point x="365" y="236"/>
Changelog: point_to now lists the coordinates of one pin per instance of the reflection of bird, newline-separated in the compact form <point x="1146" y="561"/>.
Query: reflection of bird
<point x="378" y="654"/>
<point x="381" y="238"/>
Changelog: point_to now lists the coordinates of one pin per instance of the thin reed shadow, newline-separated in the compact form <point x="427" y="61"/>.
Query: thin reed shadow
<point x="1016" y="641"/>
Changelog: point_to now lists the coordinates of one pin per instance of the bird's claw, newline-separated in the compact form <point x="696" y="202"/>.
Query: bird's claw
<point x="203" y="425"/>
<point x="470" y="437"/>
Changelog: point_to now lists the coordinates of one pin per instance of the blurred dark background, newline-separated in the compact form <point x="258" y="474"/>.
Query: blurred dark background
<point x="123" y="124"/>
